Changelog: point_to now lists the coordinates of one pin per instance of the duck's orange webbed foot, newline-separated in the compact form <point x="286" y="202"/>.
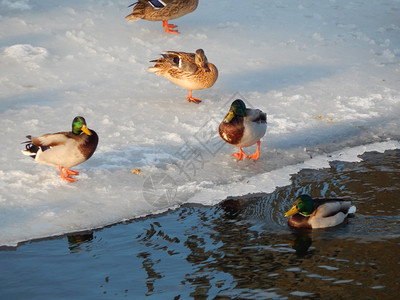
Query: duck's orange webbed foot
<point x="168" y="27"/>
<point x="193" y="99"/>
<point x="71" y="172"/>
<point x="67" y="178"/>
<point x="239" y="155"/>
<point x="256" y="155"/>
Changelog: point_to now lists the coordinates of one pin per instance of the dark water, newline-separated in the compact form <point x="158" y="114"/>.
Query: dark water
<point x="240" y="250"/>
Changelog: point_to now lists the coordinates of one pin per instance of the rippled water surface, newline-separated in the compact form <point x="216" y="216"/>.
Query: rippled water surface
<point x="241" y="248"/>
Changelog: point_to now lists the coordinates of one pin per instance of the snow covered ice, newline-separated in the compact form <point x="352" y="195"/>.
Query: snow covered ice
<point x="326" y="72"/>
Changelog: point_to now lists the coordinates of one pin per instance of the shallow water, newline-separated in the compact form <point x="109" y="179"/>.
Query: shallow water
<point x="242" y="248"/>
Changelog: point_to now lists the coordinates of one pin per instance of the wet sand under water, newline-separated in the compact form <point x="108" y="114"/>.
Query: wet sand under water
<point x="241" y="250"/>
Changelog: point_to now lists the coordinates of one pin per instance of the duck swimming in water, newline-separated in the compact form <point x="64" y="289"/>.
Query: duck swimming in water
<point x="318" y="213"/>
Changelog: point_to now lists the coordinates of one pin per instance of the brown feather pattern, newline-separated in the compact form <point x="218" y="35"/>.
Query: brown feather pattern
<point x="89" y="145"/>
<point x="299" y="221"/>
<point x="173" y="9"/>
<point x="185" y="70"/>
<point x="232" y="132"/>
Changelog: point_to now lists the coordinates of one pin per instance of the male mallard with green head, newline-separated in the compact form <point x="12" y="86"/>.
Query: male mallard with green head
<point x="243" y="127"/>
<point x="64" y="149"/>
<point x="191" y="71"/>
<point x="318" y="213"/>
<point x="162" y="10"/>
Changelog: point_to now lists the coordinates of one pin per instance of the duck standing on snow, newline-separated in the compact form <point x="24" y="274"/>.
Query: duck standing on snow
<point x="162" y="10"/>
<point x="318" y="213"/>
<point x="243" y="127"/>
<point x="64" y="149"/>
<point x="191" y="71"/>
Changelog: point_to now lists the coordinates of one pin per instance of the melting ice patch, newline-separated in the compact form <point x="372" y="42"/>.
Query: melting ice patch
<point x="268" y="182"/>
<point x="43" y="205"/>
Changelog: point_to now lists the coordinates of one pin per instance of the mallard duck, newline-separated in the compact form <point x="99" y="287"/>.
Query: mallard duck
<point x="64" y="149"/>
<point x="191" y="71"/>
<point x="162" y="10"/>
<point x="318" y="213"/>
<point x="243" y="127"/>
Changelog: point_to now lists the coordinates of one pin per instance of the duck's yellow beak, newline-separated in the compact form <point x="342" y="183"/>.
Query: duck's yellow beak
<point x="86" y="130"/>
<point x="229" y="117"/>
<point x="292" y="211"/>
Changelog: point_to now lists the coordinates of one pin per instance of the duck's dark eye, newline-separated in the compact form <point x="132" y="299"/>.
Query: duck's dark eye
<point x="176" y="60"/>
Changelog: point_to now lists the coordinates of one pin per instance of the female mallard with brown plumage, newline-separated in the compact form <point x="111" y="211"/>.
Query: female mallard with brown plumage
<point x="318" y="213"/>
<point x="162" y="10"/>
<point x="243" y="127"/>
<point x="64" y="149"/>
<point x="191" y="71"/>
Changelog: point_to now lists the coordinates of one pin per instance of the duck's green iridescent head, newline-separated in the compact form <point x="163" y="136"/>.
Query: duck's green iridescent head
<point x="303" y="205"/>
<point x="237" y="109"/>
<point x="79" y="125"/>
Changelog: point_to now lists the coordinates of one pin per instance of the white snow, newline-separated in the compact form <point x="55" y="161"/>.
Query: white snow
<point x="326" y="72"/>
